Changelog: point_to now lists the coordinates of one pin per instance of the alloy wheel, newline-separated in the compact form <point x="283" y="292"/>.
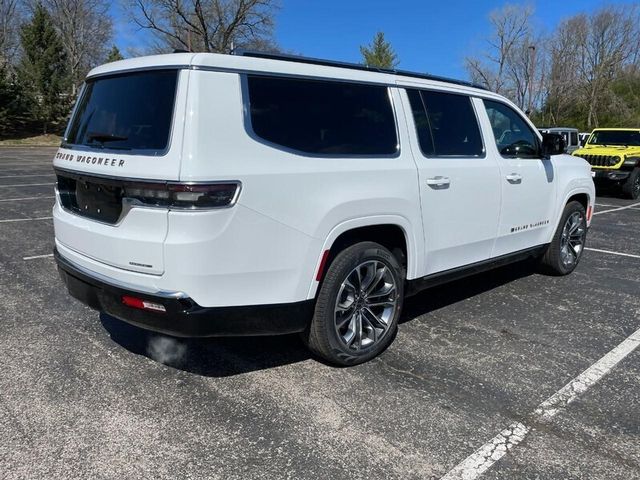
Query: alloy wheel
<point x="365" y="306"/>
<point x="572" y="239"/>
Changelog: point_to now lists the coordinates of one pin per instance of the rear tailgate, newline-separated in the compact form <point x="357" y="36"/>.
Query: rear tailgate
<point x="126" y="128"/>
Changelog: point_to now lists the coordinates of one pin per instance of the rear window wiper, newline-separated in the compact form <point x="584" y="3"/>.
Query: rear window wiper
<point x="105" y="137"/>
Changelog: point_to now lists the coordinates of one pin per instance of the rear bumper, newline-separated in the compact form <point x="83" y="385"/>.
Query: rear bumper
<point x="183" y="317"/>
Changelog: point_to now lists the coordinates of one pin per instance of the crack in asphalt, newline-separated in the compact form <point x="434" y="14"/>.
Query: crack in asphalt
<point x="479" y="462"/>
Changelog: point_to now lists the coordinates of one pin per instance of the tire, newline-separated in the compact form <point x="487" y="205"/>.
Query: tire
<point x="354" y="320"/>
<point x="566" y="247"/>
<point x="631" y="188"/>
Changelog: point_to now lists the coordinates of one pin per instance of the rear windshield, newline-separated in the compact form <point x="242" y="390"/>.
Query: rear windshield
<point x="126" y="112"/>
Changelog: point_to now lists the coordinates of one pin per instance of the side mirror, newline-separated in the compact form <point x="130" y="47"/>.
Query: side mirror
<point x="553" y="144"/>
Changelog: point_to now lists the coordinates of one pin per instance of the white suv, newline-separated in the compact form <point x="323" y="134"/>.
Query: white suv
<point x="205" y="195"/>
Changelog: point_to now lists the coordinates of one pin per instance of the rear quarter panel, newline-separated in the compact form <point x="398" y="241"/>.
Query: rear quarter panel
<point x="308" y="197"/>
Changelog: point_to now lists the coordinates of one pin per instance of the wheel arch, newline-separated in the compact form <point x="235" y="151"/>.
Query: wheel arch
<point x="391" y="231"/>
<point x="585" y="196"/>
<point x="582" y="198"/>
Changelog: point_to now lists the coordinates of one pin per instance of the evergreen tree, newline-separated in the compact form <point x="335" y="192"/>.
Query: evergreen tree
<point x="114" y="55"/>
<point x="7" y="102"/>
<point x="379" y="54"/>
<point x="43" y="69"/>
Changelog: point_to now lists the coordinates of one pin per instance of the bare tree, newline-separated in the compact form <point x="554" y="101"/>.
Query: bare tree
<point x="501" y="67"/>
<point x="9" y="38"/>
<point x="608" y="44"/>
<point x="562" y="85"/>
<point x="85" y="28"/>
<point x="208" y="25"/>
<point x="524" y="71"/>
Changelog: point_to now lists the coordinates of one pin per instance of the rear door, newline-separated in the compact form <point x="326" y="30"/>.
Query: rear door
<point x="125" y="134"/>
<point x="459" y="183"/>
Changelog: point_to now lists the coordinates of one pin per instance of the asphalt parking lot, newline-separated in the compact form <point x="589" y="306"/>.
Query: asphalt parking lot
<point x="85" y="396"/>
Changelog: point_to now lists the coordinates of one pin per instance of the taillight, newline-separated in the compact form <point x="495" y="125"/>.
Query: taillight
<point x="183" y="195"/>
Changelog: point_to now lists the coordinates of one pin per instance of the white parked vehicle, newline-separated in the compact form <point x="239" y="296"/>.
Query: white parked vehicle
<point x="204" y="195"/>
<point x="571" y="137"/>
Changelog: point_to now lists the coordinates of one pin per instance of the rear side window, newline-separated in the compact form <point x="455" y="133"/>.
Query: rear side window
<point x="422" y="122"/>
<point x="133" y="111"/>
<point x="574" y="138"/>
<point x="323" y="118"/>
<point x="446" y="124"/>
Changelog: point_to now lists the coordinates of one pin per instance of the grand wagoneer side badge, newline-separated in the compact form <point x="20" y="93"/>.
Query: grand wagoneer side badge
<point x="520" y="228"/>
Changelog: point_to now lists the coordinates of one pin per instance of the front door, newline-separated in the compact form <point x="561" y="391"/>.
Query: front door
<point x="527" y="181"/>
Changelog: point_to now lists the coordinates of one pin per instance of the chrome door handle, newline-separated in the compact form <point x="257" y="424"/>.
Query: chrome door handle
<point x="438" y="182"/>
<point x="514" y="178"/>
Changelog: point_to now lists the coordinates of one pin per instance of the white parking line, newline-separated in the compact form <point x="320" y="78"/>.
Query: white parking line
<point x="486" y="456"/>
<point x="23" y="170"/>
<point x="612" y="253"/>
<point x="24" y="165"/>
<point x="616" y="209"/>
<point x="605" y="205"/>
<point x="24" y="219"/>
<point x="25" y="198"/>
<point x="38" y="256"/>
<point x="27" y="185"/>
<point x="29" y="175"/>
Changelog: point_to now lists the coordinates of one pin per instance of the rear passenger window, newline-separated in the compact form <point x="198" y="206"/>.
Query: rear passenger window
<point x="446" y="124"/>
<point x="323" y="118"/>
<point x="574" y="139"/>
<point x="422" y="122"/>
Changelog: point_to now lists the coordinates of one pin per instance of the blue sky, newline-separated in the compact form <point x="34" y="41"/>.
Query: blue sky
<point x="428" y="36"/>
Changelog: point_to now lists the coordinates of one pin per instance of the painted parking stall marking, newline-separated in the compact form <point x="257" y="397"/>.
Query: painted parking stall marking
<point x="617" y="209"/>
<point x="483" y="459"/>
<point x="27" y="185"/>
<point x="29" y="175"/>
<point x="26" y="198"/>
<point x="612" y="253"/>
<point x="35" y="257"/>
<point x="486" y="456"/>
<point x="11" y="220"/>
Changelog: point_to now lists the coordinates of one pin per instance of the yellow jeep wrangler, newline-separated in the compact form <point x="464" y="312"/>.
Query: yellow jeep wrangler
<point x="614" y="155"/>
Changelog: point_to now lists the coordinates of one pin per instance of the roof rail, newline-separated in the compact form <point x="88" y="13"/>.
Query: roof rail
<point x="352" y="66"/>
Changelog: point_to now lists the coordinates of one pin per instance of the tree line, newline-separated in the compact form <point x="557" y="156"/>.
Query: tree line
<point x="48" y="46"/>
<point x="584" y="74"/>
<point x="46" y="49"/>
